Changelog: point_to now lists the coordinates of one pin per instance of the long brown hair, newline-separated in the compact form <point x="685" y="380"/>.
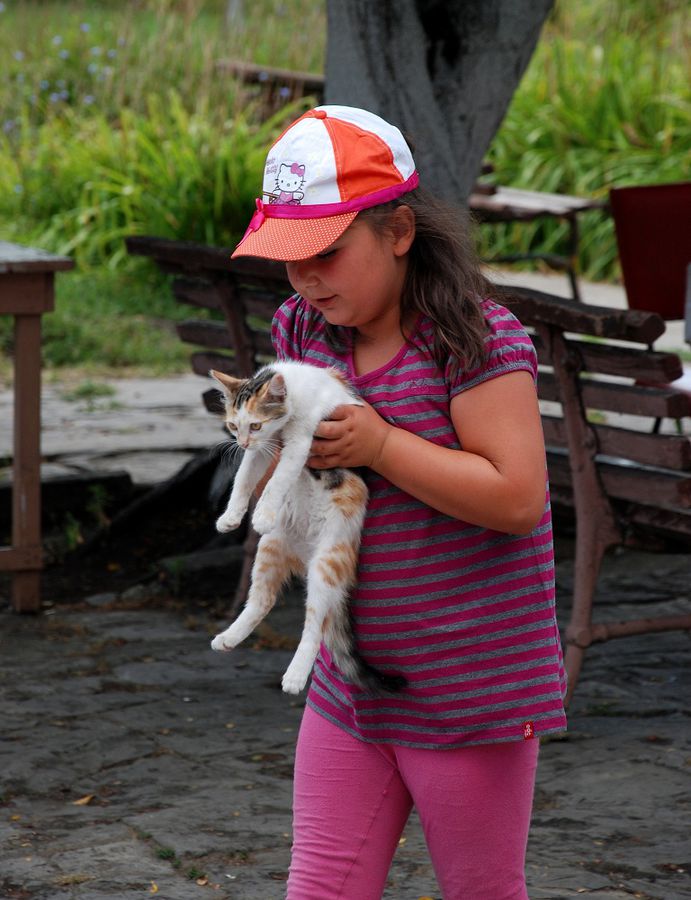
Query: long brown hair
<point x="443" y="280"/>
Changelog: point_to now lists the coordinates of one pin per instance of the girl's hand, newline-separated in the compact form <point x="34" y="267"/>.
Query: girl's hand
<point x="353" y="436"/>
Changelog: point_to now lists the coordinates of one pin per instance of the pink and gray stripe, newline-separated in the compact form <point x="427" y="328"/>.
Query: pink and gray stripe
<point x="465" y="613"/>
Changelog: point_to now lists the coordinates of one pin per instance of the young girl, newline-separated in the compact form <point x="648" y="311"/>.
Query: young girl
<point x="456" y="586"/>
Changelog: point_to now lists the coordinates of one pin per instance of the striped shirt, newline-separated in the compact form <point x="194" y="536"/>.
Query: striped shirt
<point x="465" y="613"/>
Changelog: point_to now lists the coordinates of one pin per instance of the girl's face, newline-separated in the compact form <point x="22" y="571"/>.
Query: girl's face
<point x="358" y="280"/>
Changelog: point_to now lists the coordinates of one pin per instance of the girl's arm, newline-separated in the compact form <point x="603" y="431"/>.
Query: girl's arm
<point x="496" y="481"/>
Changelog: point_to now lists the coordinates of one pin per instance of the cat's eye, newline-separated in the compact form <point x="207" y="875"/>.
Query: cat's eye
<point x="231" y="426"/>
<point x="255" y="426"/>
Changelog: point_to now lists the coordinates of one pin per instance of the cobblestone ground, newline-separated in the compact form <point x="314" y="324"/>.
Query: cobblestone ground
<point x="135" y="762"/>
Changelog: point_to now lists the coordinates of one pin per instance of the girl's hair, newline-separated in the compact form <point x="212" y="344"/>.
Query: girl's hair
<point x="443" y="280"/>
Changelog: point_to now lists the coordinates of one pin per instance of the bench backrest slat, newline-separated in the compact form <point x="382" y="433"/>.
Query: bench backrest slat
<point x="625" y="362"/>
<point x="653" y="486"/>
<point x="632" y="399"/>
<point x="536" y="307"/>
<point x="672" y="452"/>
<point x="603" y="356"/>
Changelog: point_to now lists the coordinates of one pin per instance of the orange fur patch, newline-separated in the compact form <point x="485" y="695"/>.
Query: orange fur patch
<point x="275" y="564"/>
<point x="338" y="566"/>
<point x="351" y="496"/>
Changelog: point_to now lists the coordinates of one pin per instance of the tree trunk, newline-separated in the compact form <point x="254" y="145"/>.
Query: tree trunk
<point x="444" y="71"/>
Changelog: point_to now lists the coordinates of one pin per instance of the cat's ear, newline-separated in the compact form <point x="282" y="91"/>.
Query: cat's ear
<point x="276" y="390"/>
<point x="229" y="385"/>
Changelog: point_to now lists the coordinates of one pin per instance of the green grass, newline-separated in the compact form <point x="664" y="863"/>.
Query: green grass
<point x="109" y="323"/>
<point x="116" y="120"/>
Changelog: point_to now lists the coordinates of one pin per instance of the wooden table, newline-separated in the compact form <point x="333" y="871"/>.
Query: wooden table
<point x="504" y="204"/>
<point x="26" y="292"/>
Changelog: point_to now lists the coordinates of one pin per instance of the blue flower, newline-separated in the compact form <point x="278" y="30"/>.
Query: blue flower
<point x="44" y="84"/>
<point x="2" y="7"/>
<point x="8" y="125"/>
<point x="112" y="54"/>
<point x="88" y="99"/>
<point x="85" y="27"/>
<point x="96" y="51"/>
<point x="57" y="40"/>
<point x="64" y="54"/>
<point x="18" y="188"/>
<point x="18" y="55"/>
<point x="92" y="68"/>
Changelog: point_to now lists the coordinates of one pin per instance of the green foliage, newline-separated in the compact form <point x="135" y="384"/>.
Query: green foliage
<point x="106" y="322"/>
<point x="116" y="120"/>
<point x="170" y="173"/>
<point x="605" y="102"/>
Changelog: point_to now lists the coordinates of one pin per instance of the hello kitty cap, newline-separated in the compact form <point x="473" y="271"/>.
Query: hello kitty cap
<point x="328" y="165"/>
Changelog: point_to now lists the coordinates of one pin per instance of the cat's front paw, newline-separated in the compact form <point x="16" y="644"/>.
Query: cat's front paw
<point x="264" y="519"/>
<point x="222" y="643"/>
<point x="293" y="683"/>
<point x="229" y="521"/>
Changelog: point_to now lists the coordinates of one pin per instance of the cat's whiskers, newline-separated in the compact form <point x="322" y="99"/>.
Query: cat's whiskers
<point x="230" y="452"/>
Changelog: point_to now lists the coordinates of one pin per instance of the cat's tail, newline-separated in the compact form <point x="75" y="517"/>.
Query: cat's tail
<point x="379" y="682"/>
<point x="344" y="652"/>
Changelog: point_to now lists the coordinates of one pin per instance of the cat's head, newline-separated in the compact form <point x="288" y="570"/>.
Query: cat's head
<point x="255" y="408"/>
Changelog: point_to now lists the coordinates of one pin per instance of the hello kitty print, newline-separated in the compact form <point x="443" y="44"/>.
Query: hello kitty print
<point x="289" y="180"/>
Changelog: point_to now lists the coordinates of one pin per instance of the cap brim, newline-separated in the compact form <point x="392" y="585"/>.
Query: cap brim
<point x="293" y="239"/>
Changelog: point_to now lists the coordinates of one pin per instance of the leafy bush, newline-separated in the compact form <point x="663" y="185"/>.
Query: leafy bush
<point x="604" y="103"/>
<point x="171" y="173"/>
<point x="116" y="120"/>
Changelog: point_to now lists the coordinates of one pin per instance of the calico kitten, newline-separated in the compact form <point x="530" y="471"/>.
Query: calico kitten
<point x="310" y="520"/>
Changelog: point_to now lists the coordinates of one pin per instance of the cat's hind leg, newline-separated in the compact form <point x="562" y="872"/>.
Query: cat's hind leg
<point x="329" y="577"/>
<point x="273" y="565"/>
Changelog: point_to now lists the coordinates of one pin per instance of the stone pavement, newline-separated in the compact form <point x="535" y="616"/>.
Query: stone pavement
<point x="134" y="762"/>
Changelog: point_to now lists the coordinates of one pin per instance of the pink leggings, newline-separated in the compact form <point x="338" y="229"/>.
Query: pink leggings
<point x="352" y="800"/>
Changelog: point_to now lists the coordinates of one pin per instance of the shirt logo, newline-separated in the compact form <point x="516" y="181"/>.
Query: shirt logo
<point x="528" y="731"/>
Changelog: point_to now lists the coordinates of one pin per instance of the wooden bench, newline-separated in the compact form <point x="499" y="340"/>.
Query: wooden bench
<point x="622" y="483"/>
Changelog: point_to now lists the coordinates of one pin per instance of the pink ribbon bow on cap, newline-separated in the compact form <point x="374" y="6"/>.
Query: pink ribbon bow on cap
<point x="256" y="220"/>
<point x="297" y="169"/>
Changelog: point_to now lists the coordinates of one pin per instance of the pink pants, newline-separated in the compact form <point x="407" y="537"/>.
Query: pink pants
<point x="352" y="800"/>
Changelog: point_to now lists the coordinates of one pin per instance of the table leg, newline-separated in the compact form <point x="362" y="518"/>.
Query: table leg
<point x="573" y="258"/>
<point x="26" y="488"/>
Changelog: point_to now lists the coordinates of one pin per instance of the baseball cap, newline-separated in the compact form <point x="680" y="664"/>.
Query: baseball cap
<point x="328" y="165"/>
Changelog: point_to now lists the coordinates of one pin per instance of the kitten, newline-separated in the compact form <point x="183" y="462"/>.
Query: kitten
<point x="310" y="520"/>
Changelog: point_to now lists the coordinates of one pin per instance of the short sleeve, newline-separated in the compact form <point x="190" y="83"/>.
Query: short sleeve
<point x="508" y="349"/>
<point x="287" y="329"/>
